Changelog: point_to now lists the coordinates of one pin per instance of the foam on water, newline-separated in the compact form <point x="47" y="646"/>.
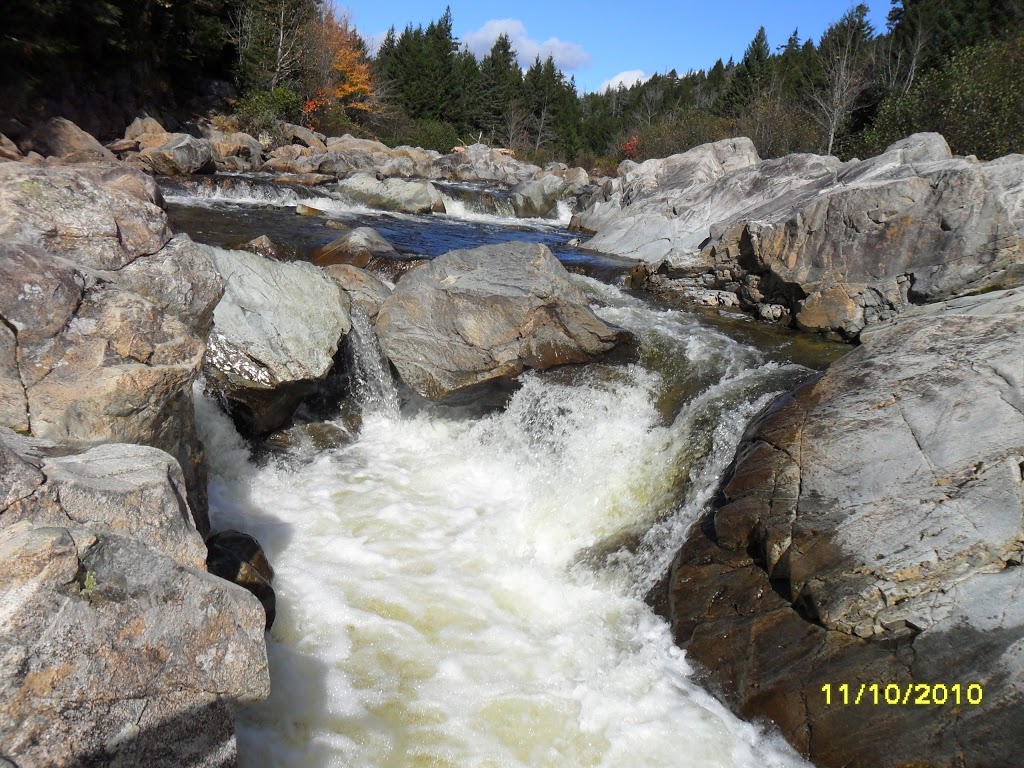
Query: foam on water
<point x="503" y="214"/>
<point x="433" y="605"/>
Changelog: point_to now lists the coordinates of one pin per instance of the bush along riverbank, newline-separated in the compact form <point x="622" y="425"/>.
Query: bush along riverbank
<point x="864" y="540"/>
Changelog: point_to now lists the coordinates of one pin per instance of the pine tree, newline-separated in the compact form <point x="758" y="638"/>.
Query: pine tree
<point x="501" y="89"/>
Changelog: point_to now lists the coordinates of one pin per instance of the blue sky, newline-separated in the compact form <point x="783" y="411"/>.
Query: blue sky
<point x="597" y="41"/>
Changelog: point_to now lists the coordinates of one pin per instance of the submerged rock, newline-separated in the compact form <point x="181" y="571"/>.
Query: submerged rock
<point x="482" y="316"/>
<point x="869" y="533"/>
<point x="356" y="247"/>
<point x="275" y="335"/>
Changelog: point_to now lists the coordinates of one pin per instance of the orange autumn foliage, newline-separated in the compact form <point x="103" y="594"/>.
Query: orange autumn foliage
<point x="343" y="77"/>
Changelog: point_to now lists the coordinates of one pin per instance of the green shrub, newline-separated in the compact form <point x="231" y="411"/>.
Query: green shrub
<point x="974" y="99"/>
<point x="431" y="134"/>
<point x="260" y="111"/>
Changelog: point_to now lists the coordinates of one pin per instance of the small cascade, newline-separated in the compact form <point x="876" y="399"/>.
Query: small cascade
<point x="372" y="383"/>
<point x="474" y="203"/>
<point x="222" y="188"/>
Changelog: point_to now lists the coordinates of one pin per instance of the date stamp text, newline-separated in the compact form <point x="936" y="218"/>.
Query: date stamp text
<point x="920" y="694"/>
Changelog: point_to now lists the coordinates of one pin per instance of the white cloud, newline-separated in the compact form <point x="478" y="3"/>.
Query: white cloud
<point x="567" y="56"/>
<point x="627" y="78"/>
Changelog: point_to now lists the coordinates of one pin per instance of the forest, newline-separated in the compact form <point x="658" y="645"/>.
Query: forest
<point x="952" y="66"/>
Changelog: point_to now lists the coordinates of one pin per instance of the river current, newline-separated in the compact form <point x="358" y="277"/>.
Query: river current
<point x="461" y="589"/>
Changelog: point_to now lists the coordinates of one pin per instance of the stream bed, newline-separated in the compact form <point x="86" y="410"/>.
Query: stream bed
<point x="465" y="589"/>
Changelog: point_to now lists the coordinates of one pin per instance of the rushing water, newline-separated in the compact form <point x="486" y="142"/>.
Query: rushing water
<point x="466" y="591"/>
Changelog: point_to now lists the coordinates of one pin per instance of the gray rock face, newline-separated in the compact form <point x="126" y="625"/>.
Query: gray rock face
<point x="368" y="293"/>
<point x="481" y="163"/>
<point x="392" y="194"/>
<point x="275" y="335"/>
<point x="119" y="648"/>
<point x="538" y="198"/>
<point x="181" y="279"/>
<point x="665" y="209"/>
<point x="884" y="504"/>
<point x="89" y="219"/>
<point x="832" y="246"/>
<point x="181" y="155"/>
<point x="474" y="317"/>
<point x="101" y="333"/>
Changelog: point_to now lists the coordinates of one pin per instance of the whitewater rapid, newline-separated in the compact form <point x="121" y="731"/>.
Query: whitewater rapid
<point x="466" y="591"/>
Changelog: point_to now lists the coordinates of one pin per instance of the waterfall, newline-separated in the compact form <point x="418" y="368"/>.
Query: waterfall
<point x="372" y="384"/>
<point x="464" y="591"/>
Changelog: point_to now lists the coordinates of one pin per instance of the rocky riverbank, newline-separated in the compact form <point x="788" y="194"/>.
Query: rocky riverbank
<point x="812" y="242"/>
<point x="868" y="533"/>
<point x="118" y="645"/>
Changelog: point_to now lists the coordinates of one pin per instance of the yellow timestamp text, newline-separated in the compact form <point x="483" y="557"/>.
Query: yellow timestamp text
<point x="922" y="694"/>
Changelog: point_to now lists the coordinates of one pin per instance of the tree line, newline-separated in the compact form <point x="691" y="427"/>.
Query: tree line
<point x="952" y="66"/>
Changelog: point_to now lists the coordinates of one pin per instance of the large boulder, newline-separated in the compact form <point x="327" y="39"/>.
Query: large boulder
<point x="473" y="318"/>
<point x="910" y="226"/>
<point x="102" y="332"/>
<point x="292" y="158"/>
<point x="305" y="136"/>
<point x="9" y="150"/>
<point x="274" y="337"/>
<point x="665" y="208"/>
<point x="180" y="155"/>
<point x="143" y="125"/>
<point x="99" y="221"/>
<point x="357" y="247"/>
<point x="119" y="648"/>
<point x="868" y="535"/>
<point x="538" y="198"/>
<point x="479" y="162"/>
<point x="59" y="137"/>
<point x="392" y="194"/>
<point x="830" y="247"/>
<point x="95" y="362"/>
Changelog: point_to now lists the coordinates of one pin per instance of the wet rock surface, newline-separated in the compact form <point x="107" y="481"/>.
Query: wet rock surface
<point x="870" y="532"/>
<point x="239" y="558"/>
<point x="480" y="316"/>
<point x="391" y="194"/>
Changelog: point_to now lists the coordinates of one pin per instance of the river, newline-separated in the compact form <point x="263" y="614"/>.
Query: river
<point x="464" y="589"/>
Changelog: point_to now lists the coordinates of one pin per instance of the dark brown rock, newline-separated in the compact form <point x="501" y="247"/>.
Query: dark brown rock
<point x="239" y="558"/>
<point x="868" y="534"/>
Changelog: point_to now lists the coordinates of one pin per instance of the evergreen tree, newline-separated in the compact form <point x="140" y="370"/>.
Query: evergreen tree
<point x="752" y="76"/>
<point x="501" y="88"/>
